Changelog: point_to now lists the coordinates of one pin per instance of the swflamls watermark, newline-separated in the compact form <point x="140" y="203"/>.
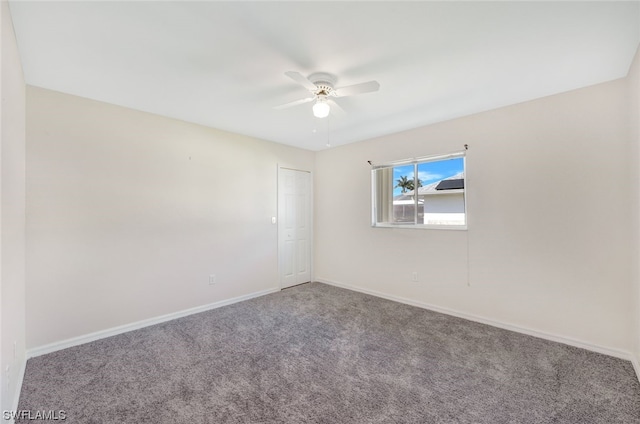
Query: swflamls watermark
<point x="27" y="415"/>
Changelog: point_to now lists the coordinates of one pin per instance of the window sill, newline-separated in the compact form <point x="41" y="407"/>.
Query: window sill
<point x="422" y="227"/>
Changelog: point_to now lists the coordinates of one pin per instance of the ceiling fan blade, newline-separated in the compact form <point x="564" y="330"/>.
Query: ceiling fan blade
<point x="364" y="87"/>
<point x="300" y="79"/>
<point x="294" y="103"/>
<point x="336" y="109"/>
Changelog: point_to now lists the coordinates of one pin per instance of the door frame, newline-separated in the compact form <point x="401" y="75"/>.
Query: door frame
<point x="311" y="223"/>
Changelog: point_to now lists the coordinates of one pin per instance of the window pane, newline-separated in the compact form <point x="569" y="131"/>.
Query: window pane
<point x="441" y="194"/>
<point x="420" y="193"/>
<point x="403" y="194"/>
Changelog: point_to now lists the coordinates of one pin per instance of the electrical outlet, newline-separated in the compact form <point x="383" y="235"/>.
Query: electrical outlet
<point x="414" y="276"/>
<point x="212" y="279"/>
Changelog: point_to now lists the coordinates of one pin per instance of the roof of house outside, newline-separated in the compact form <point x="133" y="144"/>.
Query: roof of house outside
<point x="430" y="189"/>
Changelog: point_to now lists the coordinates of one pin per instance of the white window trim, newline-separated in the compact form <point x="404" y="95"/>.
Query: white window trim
<point x="417" y="160"/>
<point x="458" y="154"/>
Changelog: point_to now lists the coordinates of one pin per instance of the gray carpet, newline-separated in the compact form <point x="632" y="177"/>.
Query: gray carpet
<point x="320" y="354"/>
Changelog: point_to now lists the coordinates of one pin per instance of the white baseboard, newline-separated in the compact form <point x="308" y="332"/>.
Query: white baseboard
<point x="75" y="341"/>
<point x="636" y="365"/>
<point x="16" y="396"/>
<point x="518" y="329"/>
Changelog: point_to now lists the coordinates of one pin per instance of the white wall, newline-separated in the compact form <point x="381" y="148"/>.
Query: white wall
<point x="547" y="246"/>
<point x="12" y="215"/>
<point x="634" y="118"/>
<point x="128" y="213"/>
<point x="444" y="203"/>
<point x="444" y="208"/>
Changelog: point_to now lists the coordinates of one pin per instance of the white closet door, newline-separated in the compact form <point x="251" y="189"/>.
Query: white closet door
<point x="294" y="227"/>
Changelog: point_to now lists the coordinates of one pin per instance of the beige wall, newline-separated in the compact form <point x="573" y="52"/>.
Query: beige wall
<point x="12" y="214"/>
<point x="128" y="213"/>
<point x="547" y="245"/>
<point x="634" y="119"/>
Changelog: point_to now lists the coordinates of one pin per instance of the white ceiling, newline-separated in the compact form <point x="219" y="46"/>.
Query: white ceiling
<point x="222" y="64"/>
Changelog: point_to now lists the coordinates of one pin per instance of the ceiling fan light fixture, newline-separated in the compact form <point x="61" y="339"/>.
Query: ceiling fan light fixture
<point x="321" y="108"/>
<point x="320" y="86"/>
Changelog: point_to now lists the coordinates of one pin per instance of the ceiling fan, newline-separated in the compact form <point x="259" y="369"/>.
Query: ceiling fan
<point x="321" y="85"/>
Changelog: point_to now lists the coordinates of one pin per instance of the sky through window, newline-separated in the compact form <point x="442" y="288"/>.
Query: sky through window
<point x="428" y="172"/>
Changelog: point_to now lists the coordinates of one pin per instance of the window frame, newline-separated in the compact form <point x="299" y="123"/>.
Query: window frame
<point x="416" y="162"/>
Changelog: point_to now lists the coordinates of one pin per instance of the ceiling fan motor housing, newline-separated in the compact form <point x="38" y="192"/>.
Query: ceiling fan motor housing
<point x="324" y="82"/>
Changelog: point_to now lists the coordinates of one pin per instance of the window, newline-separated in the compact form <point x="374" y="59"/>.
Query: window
<point x="420" y="193"/>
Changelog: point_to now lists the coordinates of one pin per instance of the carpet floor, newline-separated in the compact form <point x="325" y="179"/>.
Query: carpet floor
<point x="320" y="354"/>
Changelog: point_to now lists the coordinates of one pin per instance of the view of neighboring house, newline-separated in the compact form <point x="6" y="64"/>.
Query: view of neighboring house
<point x="439" y="203"/>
